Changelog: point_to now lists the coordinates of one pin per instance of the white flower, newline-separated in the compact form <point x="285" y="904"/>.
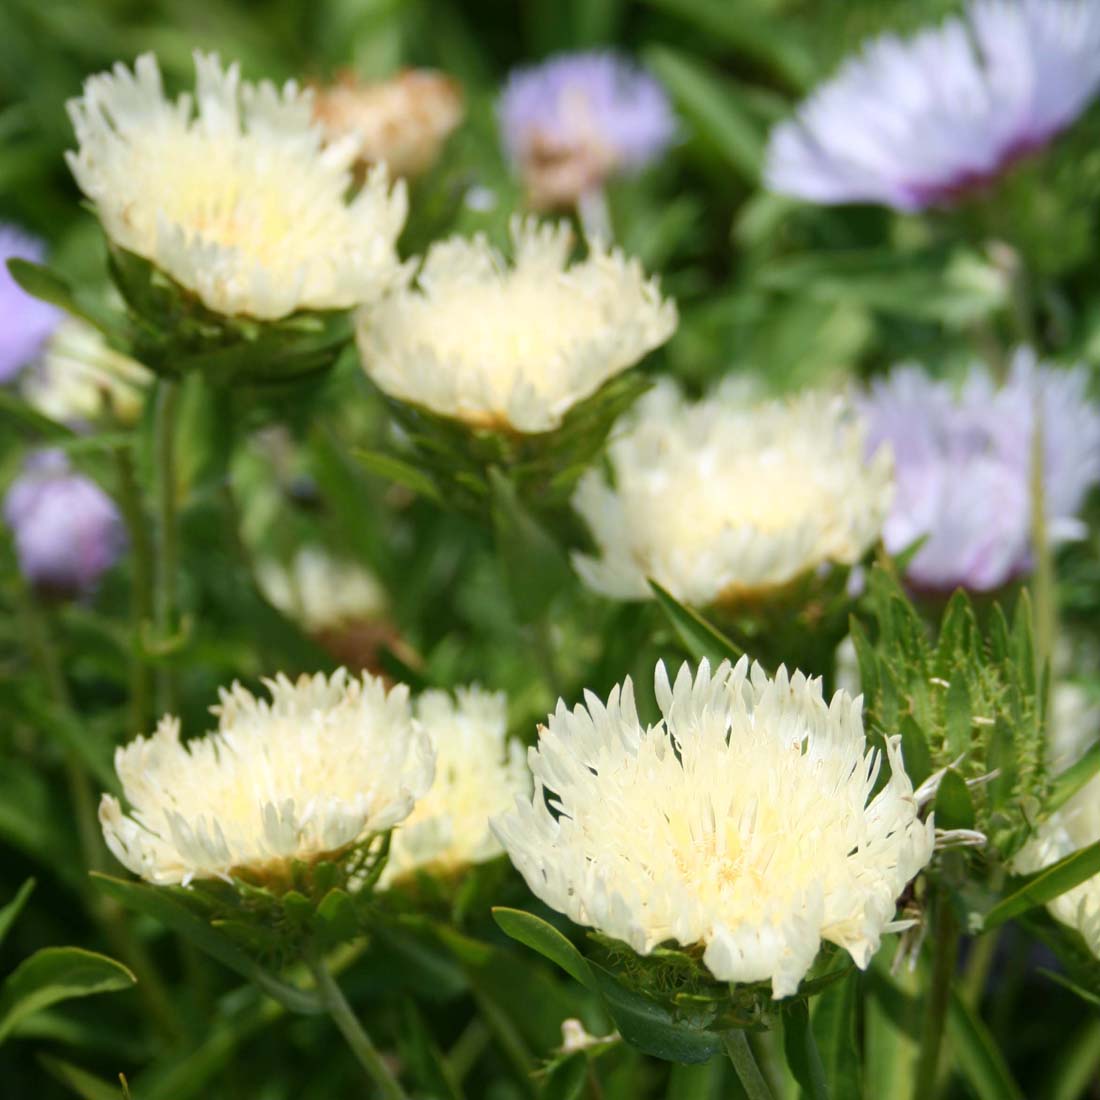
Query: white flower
<point x="321" y="592"/>
<point x="723" y="499"/>
<point x="514" y="346"/>
<point x="478" y="772"/>
<point x="743" y="822"/>
<point x="402" y="122"/>
<point x="919" y="122"/>
<point x="232" y="193"/>
<point x="319" y="768"/>
<point x="80" y="378"/>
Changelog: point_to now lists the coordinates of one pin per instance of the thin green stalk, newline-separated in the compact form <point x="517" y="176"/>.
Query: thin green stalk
<point x="504" y="1031"/>
<point x="945" y="943"/>
<point x="141" y="598"/>
<point x="357" y="1039"/>
<point x="1046" y="600"/>
<point x="744" y="1064"/>
<point x="165" y="597"/>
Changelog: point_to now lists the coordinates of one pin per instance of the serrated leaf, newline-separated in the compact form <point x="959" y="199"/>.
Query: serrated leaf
<point x="157" y="902"/>
<point x="700" y="638"/>
<point x="1048" y="884"/>
<point x="954" y="805"/>
<point x="57" y="974"/>
<point x="11" y="911"/>
<point x="977" y="1054"/>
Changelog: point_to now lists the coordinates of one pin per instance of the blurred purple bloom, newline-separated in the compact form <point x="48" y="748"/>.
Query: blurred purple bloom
<point x="570" y="122"/>
<point x="963" y="467"/>
<point x="919" y="122"/>
<point x="67" y="530"/>
<point x="25" y="322"/>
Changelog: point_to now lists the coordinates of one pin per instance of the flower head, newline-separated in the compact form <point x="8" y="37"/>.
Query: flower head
<point x="963" y="463"/>
<point x="80" y="378"/>
<point x="513" y="346"/>
<point x="724" y="498"/>
<point x="232" y="192"/>
<point x="916" y="123"/>
<point x="319" y="768"/>
<point x="25" y="322"/>
<point x="570" y="122"/>
<point x="478" y="772"/>
<point x="67" y="530"/>
<point x="402" y="122"/>
<point x="743" y="822"/>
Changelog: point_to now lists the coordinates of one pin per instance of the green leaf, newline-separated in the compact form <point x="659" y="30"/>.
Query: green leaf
<point x="427" y="1065"/>
<point x="699" y="637"/>
<point x="834" y="1024"/>
<point x="567" y="1078"/>
<point x="713" y="107"/>
<point x="800" y="1047"/>
<point x="57" y="974"/>
<point x="46" y="285"/>
<point x="1086" y="995"/>
<point x="957" y="718"/>
<point x="1064" y="786"/>
<point x="400" y="472"/>
<point x="535" y="933"/>
<point x="980" y="1060"/>
<point x="1046" y="885"/>
<point x="158" y="902"/>
<point x="954" y="806"/>
<point x="15" y="409"/>
<point x="86" y="1085"/>
<point x="915" y="750"/>
<point x="534" y="565"/>
<point x="14" y="907"/>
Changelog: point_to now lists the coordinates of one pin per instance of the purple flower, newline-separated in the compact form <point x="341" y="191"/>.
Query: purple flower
<point x="574" y="120"/>
<point x="25" y="322"/>
<point x="920" y="122"/>
<point x="67" y="530"/>
<point x="963" y="463"/>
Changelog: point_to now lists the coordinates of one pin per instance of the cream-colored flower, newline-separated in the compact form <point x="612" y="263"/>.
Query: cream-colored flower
<point x="743" y="823"/>
<point x="80" y="378"/>
<point x="723" y="500"/>
<point x="402" y="122"/>
<point x="321" y="592"/>
<point x="478" y="772"/>
<point x="319" y="768"/>
<point x="513" y="346"/>
<point x="232" y="192"/>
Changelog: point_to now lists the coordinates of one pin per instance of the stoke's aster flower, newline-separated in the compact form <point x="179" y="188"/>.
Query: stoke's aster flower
<point x="401" y="122"/>
<point x="233" y="192"/>
<point x="502" y="345"/>
<point x="744" y="822"/>
<point x="25" y="322"/>
<point x="67" y="530"/>
<point x="320" y="768"/>
<point x="478" y="773"/>
<point x="574" y="120"/>
<point x="919" y="122"/>
<point x="726" y="498"/>
<point x="963" y="465"/>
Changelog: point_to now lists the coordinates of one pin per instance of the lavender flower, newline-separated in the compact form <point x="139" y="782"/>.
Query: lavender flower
<point x="67" y="530"/>
<point x="25" y="322"/>
<point x="963" y="465"/>
<point x="920" y="122"/>
<point x="576" y="119"/>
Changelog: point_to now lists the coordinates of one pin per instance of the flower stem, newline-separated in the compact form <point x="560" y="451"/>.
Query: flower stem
<point x="357" y="1039"/>
<point x="945" y="942"/>
<point x="141" y="599"/>
<point x="744" y="1064"/>
<point x="167" y="543"/>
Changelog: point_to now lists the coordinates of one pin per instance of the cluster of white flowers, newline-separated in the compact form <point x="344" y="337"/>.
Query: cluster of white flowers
<point x="478" y="772"/>
<point x="725" y="499"/>
<point x="513" y="346"/>
<point x="322" y="766"/>
<point x="743" y="822"/>
<point x="233" y="193"/>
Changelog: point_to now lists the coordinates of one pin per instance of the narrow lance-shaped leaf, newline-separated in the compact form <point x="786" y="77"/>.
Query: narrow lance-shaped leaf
<point x="1046" y="885"/>
<point x="700" y="638"/>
